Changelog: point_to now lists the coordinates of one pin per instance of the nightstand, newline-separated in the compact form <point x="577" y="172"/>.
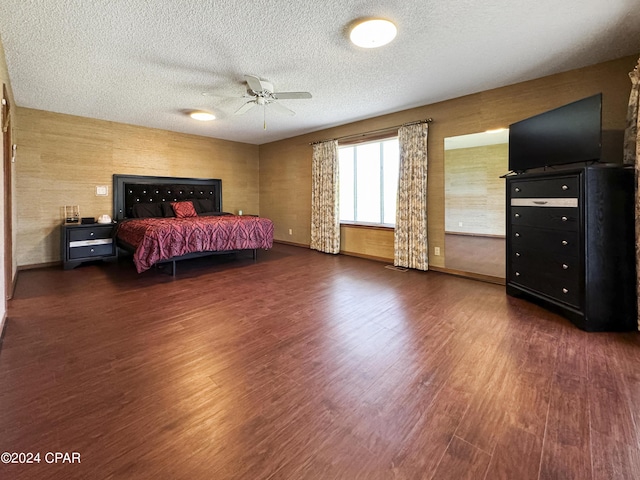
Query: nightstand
<point x="87" y="242"/>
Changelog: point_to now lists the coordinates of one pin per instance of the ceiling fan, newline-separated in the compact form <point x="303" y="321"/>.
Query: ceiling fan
<point x="261" y="93"/>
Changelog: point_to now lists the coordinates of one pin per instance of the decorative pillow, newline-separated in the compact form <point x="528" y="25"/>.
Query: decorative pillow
<point x="167" y="210"/>
<point x="146" y="210"/>
<point x="203" y="205"/>
<point x="184" y="209"/>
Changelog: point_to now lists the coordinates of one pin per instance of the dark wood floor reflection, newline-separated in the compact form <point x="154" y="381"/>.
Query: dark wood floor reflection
<point x="308" y="366"/>
<point x="475" y="254"/>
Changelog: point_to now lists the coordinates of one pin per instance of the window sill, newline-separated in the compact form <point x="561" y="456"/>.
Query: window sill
<point x="369" y="226"/>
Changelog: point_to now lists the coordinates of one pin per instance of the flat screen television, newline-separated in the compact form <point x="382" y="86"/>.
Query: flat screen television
<point x="568" y="134"/>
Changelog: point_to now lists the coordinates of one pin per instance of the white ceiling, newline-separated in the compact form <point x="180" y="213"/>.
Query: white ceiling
<point x="146" y="62"/>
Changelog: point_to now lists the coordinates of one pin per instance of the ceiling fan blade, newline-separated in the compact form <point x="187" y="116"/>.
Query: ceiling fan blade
<point x="292" y="95"/>
<point x="246" y="107"/>
<point x="281" y="108"/>
<point x="254" y="83"/>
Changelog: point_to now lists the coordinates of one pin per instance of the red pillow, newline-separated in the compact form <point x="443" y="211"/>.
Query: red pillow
<point x="184" y="209"/>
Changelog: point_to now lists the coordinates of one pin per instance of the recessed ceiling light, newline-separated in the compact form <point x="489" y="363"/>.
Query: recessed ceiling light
<point x="373" y="33"/>
<point x="202" y="116"/>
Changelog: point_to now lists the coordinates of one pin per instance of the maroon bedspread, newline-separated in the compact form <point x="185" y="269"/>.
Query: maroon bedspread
<point x="157" y="239"/>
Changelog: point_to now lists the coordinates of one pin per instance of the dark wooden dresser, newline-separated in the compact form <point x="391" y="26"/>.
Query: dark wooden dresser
<point x="570" y="244"/>
<point x="83" y="243"/>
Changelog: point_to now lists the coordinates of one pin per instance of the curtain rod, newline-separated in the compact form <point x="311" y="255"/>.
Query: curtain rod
<point x="382" y="130"/>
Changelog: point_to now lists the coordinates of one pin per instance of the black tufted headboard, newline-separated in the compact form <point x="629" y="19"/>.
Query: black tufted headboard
<point x="131" y="189"/>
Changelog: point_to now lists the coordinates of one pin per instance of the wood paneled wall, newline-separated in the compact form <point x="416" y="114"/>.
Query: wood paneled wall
<point x="62" y="158"/>
<point x="285" y="166"/>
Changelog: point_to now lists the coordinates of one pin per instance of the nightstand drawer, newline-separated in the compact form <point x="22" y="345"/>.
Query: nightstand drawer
<point x="84" y="243"/>
<point x="561" y="187"/>
<point x="92" y="233"/>
<point x="87" y="251"/>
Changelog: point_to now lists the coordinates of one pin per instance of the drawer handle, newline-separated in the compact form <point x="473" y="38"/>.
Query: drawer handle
<point x="517" y="215"/>
<point x="517" y="254"/>
<point x="565" y="187"/>
<point x="517" y="189"/>
<point x="91" y="234"/>
<point x="517" y="234"/>
<point x="540" y="202"/>
<point x="564" y="219"/>
<point x="517" y="274"/>
<point x="564" y="290"/>
<point x="92" y="250"/>
<point x="565" y="266"/>
<point x="564" y="242"/>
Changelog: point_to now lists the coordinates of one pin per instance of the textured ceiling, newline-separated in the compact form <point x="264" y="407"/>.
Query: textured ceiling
<point x="146" y="62"/>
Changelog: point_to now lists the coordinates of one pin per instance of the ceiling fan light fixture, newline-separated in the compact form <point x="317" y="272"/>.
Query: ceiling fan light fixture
<point x="373" y="33"/>
<point x="202" y="116"/>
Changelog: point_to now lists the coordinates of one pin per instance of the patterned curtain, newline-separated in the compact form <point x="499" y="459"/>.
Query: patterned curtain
<point x="325" y="215"/>
<point x="631" y="132"/>
<point x="631" y="154"/>
<point x="411" y="248"/>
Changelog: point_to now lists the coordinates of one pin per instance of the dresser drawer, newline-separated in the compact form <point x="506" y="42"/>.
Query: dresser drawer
<point x="560" y="218"/>
<point x="559" y="187"/>
<point x="88" y="251"/>
<point x="553" y="242"/>
<point x="550" y="267"/>
<point x="565" y="290"/>
<point x="92" y="233"/>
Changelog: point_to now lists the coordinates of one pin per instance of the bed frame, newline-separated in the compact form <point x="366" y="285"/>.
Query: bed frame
<point x="129" y="190"/>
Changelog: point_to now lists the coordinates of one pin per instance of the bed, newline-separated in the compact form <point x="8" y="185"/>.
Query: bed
<point x="162" y="220"/>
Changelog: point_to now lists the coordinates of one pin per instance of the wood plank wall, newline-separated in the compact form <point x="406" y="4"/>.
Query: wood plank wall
<point x="285" y="166"/>
<point x="62" y="158"/>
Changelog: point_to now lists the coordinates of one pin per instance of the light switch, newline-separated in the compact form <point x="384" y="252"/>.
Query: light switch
<point x="102" y="190"/>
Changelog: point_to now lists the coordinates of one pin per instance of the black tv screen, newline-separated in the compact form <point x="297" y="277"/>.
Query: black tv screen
<point x="568" y="134"/>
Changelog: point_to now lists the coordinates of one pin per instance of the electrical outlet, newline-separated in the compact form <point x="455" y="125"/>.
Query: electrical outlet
<point x="102" y="190"/>
<point x="290" y="232"/>
<point x="436" y="250"/>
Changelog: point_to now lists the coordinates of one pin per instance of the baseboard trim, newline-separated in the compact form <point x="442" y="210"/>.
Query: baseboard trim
<point x="12" y="290"/>
<point x="33" y="266"/>
<point x="366" y="257"/>
<point x="486" y="235"/>
<point x="3" y="326"/>
<point x="293" y="244"/>
<point x="471" y="275"/>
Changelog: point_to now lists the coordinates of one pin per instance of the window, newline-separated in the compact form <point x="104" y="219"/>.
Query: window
<point x="369" y="182"/>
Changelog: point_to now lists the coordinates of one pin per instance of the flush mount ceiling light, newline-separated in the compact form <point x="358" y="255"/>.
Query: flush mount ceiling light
<point x="373" y="33"/>
<point x="202" y="116"/>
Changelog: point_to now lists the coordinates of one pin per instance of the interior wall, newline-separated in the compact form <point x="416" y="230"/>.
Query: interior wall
<point x="62" y="158"/>
<point x="4" y="78"/>
<point x="285" y="166"/>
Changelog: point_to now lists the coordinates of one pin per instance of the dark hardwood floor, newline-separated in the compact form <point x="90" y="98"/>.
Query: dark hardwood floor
<point x="307" y="366"/>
